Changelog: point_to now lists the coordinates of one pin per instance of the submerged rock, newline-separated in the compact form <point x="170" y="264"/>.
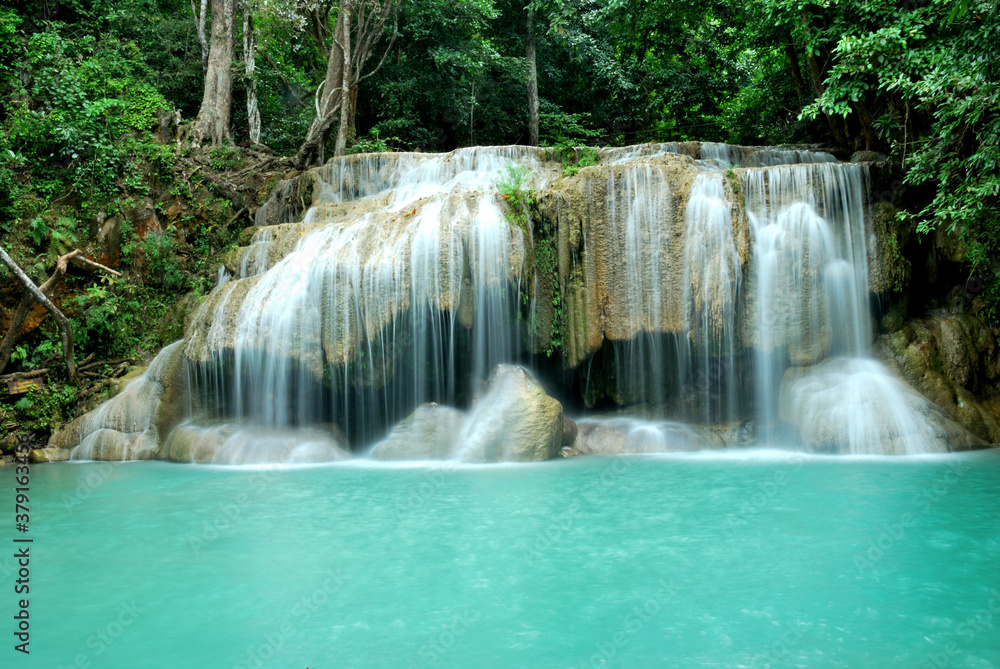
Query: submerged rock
<point x="514" y="421"/>
<point x="429" y="433"/>
<point x="615" y="436"/>
<point x="854" y="405"/>
<point x="48" y="455"/>
<point x="242" y="445"/>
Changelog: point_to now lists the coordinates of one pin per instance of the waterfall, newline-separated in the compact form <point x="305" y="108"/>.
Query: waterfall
<point x="703" y="283"/>
<point x="808" y="226"/>
<point x="125" y="427"/>
<point x="712" y="282"/>
<point x="640" y="215"/>
<point x="813" y="319"/>
<point x="395" y="292"/>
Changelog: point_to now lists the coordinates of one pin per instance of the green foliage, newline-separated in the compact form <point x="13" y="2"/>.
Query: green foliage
<point x="734" y="180"/>
<point x="159" y="253"/>
<point x="81" y="99"/>
<point x="922" y="81"/>
<point x="563" y="129"/>
<point x="547" y="268"/>
<point x="512" y="182"/>
<point x="372" y="144"/>
<point x="40" y="409"/>
<point x="573" y="158"/>
<point x="223" y="158"/>
<point x="33" y="358"/>
<point x="59" y="238"/>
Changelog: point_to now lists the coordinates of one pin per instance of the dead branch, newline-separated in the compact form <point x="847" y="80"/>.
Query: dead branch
<point x="17" y="376"/>
<point x="31" y="295"/>
<point x="65" y="329"/>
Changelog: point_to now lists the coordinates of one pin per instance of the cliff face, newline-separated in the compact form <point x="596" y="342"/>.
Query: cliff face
<point x="695" y="281"/>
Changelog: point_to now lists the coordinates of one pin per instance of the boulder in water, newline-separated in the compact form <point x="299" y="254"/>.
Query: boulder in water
<point x="429" y="433"/>
<point x="856" y="405"/>
<point x="238" y="445"/>
<point x="954" y="361"/>
<point x="130" y="425"/>
<point x="513" y="421"/>
<point x="616" y="436"/>
<point x="39" y="455"/>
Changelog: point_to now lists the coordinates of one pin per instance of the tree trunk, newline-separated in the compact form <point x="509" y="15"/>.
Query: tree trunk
<point x="352" y="110"/>
<point x="327" y="101"/>
<point x="199" y="21"/>
<point x="345" y="84"/>
<point x="796" y="70"/>
<point x="816" y="75"/>
<point x="249" y="48"/>
<point x="213" y="117"/>
<point x="65" y="330"/>
<point x="867" y="130"/>
<point x="348" y="55"/>
<point x="529" y="52"/>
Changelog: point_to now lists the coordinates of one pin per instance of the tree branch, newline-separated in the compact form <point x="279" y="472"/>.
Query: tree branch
<point x="64" y="327"/>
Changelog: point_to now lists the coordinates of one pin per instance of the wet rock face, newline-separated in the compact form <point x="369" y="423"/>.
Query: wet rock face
<point x="854" y="405"/>
<point x="954" y="361"/>
<point x="234" y="445"/>
<point x="867" y="157"/>
<point x="136" y="420"/>
<point x="617" y="436"/>
<point x="513" y="421"/>
<point x="429" y="433"/>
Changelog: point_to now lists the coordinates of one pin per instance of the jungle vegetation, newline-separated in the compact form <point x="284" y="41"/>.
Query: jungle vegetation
<point x="172" y="117"/>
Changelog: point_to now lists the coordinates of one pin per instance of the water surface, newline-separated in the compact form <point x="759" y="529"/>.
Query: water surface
<point x="751" y="560"/>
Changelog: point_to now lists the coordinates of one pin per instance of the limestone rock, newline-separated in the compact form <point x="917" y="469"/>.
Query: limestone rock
<point x="8" y="443"/>
<point x="429" y="433"/>
<point x="235" y="445"/>
<point x="954" y="360"/>
<point x="513" y="421"/>
<point x="132" y="423"/>
<point x="107" y="444"/>
<point x="848" y="405"/>
<point x="616" y="436"/>
<point x="40" y="455"/>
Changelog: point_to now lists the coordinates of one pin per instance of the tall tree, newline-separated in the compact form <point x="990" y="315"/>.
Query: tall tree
<point x="358" y="31"/>
<point x="529" y="53"/>
<point x="200" y="18"/>
<point x="213" y="117"/>
<point x="249" y="48"/>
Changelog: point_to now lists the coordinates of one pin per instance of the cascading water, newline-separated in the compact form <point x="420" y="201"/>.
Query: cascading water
<point x="403" y="299"/>
<point x="712" y="283"/>
<point x="811" y="257"/>
<point x="641" y="217"/>
<point x="721" y="286"/>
